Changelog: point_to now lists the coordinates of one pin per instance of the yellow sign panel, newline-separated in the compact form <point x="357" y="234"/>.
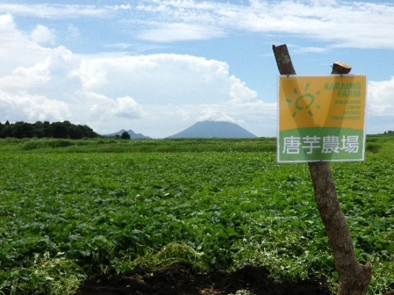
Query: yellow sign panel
<point x="328" y="109"/>
<point x="326" y="101"/>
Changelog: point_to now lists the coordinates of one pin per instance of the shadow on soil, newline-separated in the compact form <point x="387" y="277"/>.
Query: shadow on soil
<point x="180" y="279"/>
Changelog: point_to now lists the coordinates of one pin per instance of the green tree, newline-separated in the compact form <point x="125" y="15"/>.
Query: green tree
<point x="87" y="131"/>
<point x="6" y="130"/>
<point x="39" y="129"/>
<point x="125" y="135"/>
<point x="23" y="130"/>
<point x="47" y="128"/>
<point x="60" y="130"/>
<point x="76" y="132"/>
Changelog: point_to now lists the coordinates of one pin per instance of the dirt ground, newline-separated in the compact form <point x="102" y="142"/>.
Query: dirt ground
<point x="179" y="279"/>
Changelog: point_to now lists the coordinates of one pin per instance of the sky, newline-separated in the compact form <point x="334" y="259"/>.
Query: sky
<point x="159" y="66"/>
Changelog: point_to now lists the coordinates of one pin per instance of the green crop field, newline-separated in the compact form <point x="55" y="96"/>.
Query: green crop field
<point x="72" y="209"/>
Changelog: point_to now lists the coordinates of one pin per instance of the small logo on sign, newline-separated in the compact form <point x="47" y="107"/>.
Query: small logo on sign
<point x="304" y="102"/>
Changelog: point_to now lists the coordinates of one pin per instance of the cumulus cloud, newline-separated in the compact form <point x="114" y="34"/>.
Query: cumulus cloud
<point x="16" y="49"/>
<point x="127" y="107"/>
<point x="51" y="77"/>
<point x="108" y="92"/>
<point x="27" y="76"/>
<point x="380" y="97"/>
<point x="31" y="107"/>
<point x="43" y="35"/>
<point x="164" y="79"/>
<point x="239" y="92"/>
<point x="51" y="84"/>
<point x="99" y="109"/>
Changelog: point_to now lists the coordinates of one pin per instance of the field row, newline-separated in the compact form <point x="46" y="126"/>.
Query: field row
<point x="72" y="215"/>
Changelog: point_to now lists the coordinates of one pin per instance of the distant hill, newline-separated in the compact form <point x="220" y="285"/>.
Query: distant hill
<point x="133" y="135"/>
<point x="210" y="129"/>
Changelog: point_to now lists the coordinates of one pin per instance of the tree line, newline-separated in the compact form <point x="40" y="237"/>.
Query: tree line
<point x="46" y="129"/>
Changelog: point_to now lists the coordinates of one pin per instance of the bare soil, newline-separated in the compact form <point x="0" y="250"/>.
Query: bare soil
<point x="180" y="279"/>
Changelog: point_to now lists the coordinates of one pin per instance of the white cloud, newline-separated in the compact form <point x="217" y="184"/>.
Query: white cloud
<point x="179" y="32"/>
<point x="27" y="76"/>
<point x="163" y="79"/>
<point x="46" y="76"/>
<point x="216" y="116"/>
<point x="53" y="11"/>
<point x="380" y="98"/>
<point x="31" y="107"/>
<point x="109" y="92"/>
<point x="16" y="49"/>
<point x="91" y="76"/>
<point x="42" y="35"/>
<point x="357" y="24"/>
<point x="298" y="49"/>
<point x="127" y="107"/>
<point x="73" y="31"/>
<point x="239" y="92"/>
<point x="122" y="7"/>
<point x="45" y="84"/>
<point x="100" y="110"/>
<point x="368" y="25"/>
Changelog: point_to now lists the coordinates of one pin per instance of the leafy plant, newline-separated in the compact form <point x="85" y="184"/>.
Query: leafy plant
<point x="219" y="204"/>
<point x="46" y="275"/>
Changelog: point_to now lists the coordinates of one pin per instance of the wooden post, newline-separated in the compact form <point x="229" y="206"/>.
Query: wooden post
<point x="354" y="277"/>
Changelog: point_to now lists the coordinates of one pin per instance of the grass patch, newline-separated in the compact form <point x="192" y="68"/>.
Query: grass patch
<point x="169" y="254"/>
<point x="46" y="275"/>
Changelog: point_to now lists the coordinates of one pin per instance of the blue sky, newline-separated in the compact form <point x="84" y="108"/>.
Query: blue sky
<point x="159" y="66"/>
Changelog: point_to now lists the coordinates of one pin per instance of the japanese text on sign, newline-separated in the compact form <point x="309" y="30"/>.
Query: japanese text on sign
<point x="326" y="145"/>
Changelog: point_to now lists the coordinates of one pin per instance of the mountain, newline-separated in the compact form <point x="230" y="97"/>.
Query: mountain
<point x="133" y="135"/>
<point x="213" y="128"/>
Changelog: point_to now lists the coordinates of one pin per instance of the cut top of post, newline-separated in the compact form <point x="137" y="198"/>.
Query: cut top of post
<point x="340" y="67"/>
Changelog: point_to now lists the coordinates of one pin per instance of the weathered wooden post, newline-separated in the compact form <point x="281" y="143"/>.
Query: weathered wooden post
<point x="354" y="277"/>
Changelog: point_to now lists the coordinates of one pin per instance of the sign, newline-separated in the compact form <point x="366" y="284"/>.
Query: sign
<point x="321" y="118"/>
